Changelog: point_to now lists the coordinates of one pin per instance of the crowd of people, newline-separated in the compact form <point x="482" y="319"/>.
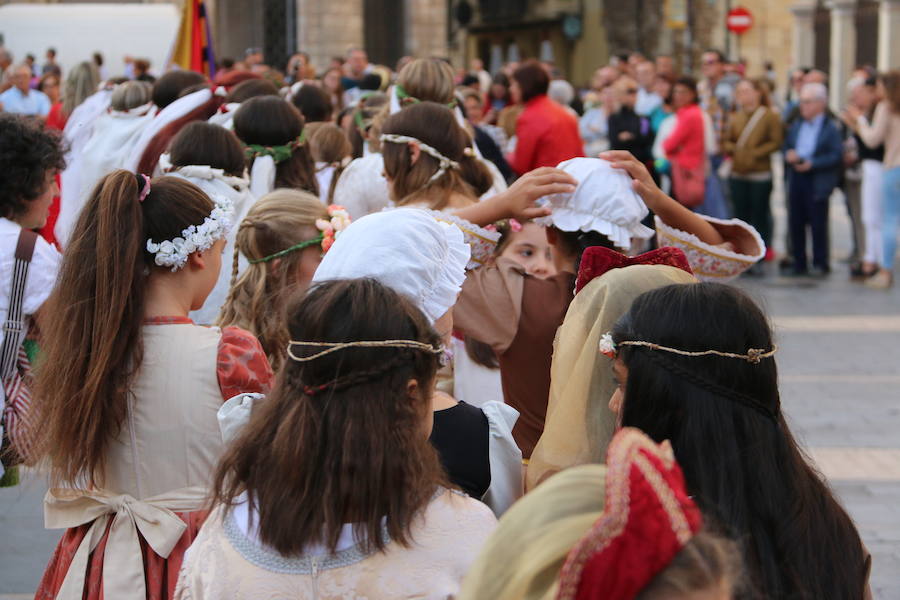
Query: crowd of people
<point x="424" y="332"/>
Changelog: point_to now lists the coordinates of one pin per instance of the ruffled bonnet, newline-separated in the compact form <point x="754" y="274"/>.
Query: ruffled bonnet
<point x="407" y="250"/>
<point x="603" y="201"/>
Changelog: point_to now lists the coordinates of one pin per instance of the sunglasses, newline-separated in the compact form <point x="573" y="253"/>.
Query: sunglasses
<point x="631" y="91"/>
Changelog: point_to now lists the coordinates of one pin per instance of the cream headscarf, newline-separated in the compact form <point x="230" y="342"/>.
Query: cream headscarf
<point x="579" y="424"/>
<point x="523" y="557"/>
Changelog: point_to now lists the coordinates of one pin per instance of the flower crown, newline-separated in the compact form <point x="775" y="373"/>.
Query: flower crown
<point x="196" y="238"/>
<point x="513" y="225"/>
<point x="608" y="347"/>
<point x="329" y="230"/>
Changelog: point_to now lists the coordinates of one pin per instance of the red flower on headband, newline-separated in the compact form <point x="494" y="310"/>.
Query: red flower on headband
<point x="647" y="519"/>
<point x="597" y="260"/>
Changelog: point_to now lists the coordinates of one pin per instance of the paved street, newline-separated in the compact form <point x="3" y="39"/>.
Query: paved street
<point x="840" y="387"/>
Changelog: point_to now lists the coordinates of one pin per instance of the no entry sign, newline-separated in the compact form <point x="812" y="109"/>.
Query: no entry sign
<point x="739" y="20"/>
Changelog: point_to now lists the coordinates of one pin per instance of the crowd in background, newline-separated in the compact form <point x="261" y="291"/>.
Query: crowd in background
<point x="312" y="332"/>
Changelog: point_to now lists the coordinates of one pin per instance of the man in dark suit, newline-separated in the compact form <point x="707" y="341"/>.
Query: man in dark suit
<point x="813" y="151"/>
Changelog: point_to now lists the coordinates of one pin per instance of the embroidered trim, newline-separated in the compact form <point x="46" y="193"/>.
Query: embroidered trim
<point x="270" y="560"/>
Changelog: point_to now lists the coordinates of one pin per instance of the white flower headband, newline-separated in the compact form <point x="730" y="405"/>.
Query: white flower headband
<point x="196" y="238"/>
<point x="444" y="163"/>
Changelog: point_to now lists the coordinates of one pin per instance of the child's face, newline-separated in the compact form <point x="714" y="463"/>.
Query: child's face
<point x="529" y="248"/>
<point x="307" y="265"/>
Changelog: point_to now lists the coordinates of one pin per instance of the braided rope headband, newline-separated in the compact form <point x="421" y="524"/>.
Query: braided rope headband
<point x="278" y="153"/>
<point x="444" y="163"/>
<point x="335" y="346"/>
<point x="754" y="355"/>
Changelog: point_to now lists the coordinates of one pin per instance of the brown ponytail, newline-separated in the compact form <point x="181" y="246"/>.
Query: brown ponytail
<point x="92" y="332"/>
<point x="329" y="145"/>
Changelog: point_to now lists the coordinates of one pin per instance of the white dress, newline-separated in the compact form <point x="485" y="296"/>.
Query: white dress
<point x="362" y="188"/>
<point x="78" y="131"/>
<point x="228" y="562"/>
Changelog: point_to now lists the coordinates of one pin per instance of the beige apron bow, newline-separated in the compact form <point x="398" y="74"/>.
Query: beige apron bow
<point x="123" y="564"/>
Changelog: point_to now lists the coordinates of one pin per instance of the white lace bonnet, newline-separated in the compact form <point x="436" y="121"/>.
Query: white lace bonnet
<point x="604" y="201"/>
<point x="407" y="250"/>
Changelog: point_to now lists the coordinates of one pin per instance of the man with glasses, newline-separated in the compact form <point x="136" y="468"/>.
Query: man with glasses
<point x="20" y="98"/>
<point x="813" y="151"/>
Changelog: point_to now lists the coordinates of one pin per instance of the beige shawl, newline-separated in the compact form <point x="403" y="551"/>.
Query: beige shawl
<point x="579" y="423"/>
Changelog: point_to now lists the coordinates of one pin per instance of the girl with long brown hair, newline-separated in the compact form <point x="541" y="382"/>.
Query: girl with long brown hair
<point x="344" y="437"/>
<point x="451" y="177"/>
<point x="332" y="152"/>
<point x="128" y="387"/>
<point x="421" y="80"/>
<point x="281" y="240"/>
<point x="277" y="148"/>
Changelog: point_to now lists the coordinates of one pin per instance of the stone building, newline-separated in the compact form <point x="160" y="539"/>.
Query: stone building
<point x="387" y="29"/>
<point x="837" y="35"/>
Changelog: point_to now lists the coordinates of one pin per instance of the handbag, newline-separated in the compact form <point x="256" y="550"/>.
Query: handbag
<point x="724" y="171"/>
<point x="689" y="184"/>
<point x="15" y="368"/>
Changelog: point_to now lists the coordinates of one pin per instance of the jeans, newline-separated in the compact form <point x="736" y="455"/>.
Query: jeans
<point x="751" y="204"/>
<point x="891" y="211"/>
<point x="808" y="210"/>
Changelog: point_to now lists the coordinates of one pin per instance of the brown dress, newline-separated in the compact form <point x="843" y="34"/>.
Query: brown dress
<point x="517" y="315"/>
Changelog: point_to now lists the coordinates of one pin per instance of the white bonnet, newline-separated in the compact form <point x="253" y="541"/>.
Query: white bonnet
<point x="604" y="201"/>
<point x="407" y="250"/>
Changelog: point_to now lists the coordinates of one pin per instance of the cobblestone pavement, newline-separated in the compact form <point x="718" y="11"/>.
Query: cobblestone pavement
<point x="840" y="387"/>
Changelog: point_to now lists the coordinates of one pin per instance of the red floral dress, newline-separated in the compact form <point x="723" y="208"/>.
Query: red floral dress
<point x="242" y="367"/>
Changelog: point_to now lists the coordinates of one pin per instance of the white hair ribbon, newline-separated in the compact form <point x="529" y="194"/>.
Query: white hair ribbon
<point x="262" y="176"/>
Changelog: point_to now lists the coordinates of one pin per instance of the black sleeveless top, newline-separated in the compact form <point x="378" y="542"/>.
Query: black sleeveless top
<point x="461" y="437"/>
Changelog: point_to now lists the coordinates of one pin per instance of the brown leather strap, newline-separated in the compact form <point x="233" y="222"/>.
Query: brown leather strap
<point x="25" y="245"/>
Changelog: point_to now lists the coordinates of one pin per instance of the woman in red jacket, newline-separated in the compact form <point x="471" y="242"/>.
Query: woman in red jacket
<point x="685" y="146"/>
<point x="546" y="133"/>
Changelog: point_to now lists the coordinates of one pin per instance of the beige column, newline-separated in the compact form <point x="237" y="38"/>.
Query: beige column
<point x="804" y="47"/>
<point x="889" y="35"/>
<point x="842" y="51"/>
<point x="426" y="33"/>
<point x="327" y="28"/>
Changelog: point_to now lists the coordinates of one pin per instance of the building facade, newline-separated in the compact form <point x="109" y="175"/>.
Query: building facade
<point x="387" y="29"/>
<point x="837" y="35"/>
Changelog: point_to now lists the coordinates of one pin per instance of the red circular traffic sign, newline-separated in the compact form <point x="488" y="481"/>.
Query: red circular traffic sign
<point x="739" y="20"/>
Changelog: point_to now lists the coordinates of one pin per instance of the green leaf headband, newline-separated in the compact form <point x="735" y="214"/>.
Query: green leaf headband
<point x="316" y="240"/>
<point x="338" y="220"/>
<point x="278" y="153"/>
<point x="405" y="98"/>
